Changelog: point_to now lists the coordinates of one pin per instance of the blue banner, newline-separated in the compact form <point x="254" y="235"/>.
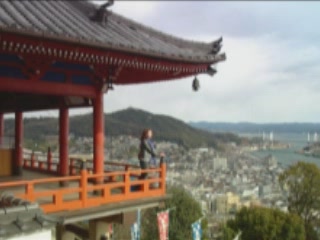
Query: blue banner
<point x="139" y="223"/>
<point x="135" y="228"/>
<point x="134" y="231"/>
<point x="196" y="230"/>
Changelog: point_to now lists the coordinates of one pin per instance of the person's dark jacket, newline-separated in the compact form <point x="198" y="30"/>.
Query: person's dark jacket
<point x="145" y="147"/>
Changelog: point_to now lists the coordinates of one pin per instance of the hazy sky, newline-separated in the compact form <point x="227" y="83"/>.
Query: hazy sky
<point x="272" y="69"/>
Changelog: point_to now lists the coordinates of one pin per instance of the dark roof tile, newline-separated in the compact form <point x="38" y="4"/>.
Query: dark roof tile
<point x="18" y="216"/>
<point x="71" y="20"/>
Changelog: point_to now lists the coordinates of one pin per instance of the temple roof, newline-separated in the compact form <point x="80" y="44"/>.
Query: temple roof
<point x="18" y="216"/>
<point x="71" y="21"/>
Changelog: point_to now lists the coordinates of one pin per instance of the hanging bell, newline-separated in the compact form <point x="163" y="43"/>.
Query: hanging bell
<point x="195" y="84"/>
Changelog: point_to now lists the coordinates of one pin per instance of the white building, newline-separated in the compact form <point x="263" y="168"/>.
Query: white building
<point x="251" y="192"/>
<point x="219" y="163"/>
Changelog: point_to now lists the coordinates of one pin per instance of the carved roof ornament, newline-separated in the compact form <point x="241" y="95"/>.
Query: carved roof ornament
<point x="216" y="46"/>
<point x="101" y="14"/>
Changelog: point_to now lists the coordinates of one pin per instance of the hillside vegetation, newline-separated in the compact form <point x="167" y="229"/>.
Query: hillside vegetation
<point x="130" y="121"/>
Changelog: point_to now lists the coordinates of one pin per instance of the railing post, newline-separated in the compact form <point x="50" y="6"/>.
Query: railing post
<point x="163" y="175"/>
<point x="146" y="185"/>
<point x="126" y="183"/>
<point x="40" y="166"/>
<point x="83" y="185"/>
<point x="33" y="160"/>
<point x="49" y="159"/>
<point x="29" y="192"/>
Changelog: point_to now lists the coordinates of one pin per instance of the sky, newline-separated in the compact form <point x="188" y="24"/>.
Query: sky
<point x="272" y="69"/>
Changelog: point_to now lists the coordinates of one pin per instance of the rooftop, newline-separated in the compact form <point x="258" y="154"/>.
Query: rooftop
<point x="17" y="216"/>
<point x="71" y="21"/>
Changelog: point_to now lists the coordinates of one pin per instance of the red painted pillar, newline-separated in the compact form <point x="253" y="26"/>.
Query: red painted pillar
<point x="18" y="143"/>
<point x="63" y="141"/>
<point x="1" y="128"/>
<point x="49" y="160"/>
<point x="98" y="132"/>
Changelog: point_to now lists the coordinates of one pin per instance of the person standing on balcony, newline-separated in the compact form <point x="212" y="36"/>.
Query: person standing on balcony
<point x="146" y="146"/>
<point x="153" y="160"/>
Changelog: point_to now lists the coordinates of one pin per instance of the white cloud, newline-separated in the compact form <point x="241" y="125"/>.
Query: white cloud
<point x="252" y="85"/>
<point x="136" y="10"/>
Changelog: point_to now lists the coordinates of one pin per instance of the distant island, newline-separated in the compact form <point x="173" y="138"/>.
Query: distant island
<point x="312" y="149"/>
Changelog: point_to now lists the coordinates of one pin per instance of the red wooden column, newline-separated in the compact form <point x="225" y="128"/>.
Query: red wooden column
<point x="98" y="134"/>
<point x="1" y="128"/>
<point x="63" y="141"/>
<point x="18" y="143"/>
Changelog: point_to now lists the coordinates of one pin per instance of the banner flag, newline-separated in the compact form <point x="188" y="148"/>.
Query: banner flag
<point x="163" y="225"/>
<point x="139" y="223"/>
<point x="134" y="231"/>
<point x="136" y="227"/>
<point x="196" y="230"/>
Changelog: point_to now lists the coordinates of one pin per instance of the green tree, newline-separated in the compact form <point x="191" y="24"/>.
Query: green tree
<point x="227" y="233"/>
<point x="187" y="210"/>
<point x="264" y="224"/>
<point x="302" y="182"/>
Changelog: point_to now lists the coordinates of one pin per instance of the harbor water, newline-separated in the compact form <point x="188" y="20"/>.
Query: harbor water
<point x="286" y="156"/>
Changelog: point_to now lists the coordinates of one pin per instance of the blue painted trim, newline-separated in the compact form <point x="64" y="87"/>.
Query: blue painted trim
<point x="11" y="72"/>
<point x="52" y="76"/>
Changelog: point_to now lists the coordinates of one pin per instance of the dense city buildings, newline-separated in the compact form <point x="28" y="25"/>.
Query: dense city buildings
<point x="221" y="181"/>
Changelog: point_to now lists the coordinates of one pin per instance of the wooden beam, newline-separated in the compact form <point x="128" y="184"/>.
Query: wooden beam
<point x="118" y="218"/>
<point x="44" y="87"/>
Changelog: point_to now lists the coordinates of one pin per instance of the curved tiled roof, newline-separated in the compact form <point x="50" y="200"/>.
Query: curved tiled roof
<point x="18" y="216"/>
<point x="70" y="21"/>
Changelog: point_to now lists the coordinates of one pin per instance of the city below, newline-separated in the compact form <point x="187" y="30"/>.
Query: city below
<point x="221" y="181"/>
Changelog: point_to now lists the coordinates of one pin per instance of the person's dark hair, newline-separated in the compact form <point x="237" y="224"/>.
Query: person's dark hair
<point x="144" y="134"/>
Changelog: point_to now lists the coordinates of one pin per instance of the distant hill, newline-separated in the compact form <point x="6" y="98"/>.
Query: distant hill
<point x="130" y="121"/>
<point x="244" y="127"/>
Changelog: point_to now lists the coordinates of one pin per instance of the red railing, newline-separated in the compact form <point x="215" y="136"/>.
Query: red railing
<point x="46" y="163"/>
<point x="75" y="166"/>
<point x="89" y="190"/>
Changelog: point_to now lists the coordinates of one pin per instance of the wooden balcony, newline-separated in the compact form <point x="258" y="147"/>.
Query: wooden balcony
<point x="83" y="191"/>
